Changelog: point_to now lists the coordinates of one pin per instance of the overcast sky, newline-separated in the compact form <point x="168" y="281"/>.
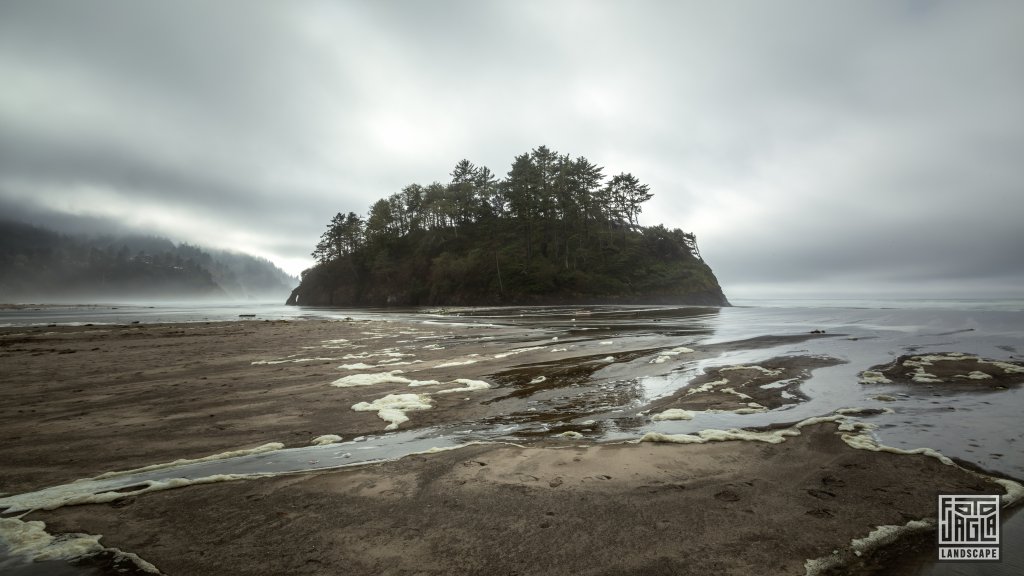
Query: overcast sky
<point x="815" y="148"/>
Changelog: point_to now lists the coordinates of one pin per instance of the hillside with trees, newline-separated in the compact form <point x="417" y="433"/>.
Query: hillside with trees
<point x="38" y="265"/>
<point x="554" y="230"/>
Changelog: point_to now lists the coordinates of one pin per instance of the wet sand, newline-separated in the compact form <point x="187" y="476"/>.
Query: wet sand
<point x="79" y="401"/>
<point x="948" y="370"/>
<point x="766" y="385"/>
<point x="721" y="508"/>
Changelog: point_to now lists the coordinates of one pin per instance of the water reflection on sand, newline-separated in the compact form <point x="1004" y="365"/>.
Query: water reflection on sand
<point x="594" y="371"/>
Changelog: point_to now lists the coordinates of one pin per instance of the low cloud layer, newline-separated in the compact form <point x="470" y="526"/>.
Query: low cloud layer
<point x="815" y="149"/>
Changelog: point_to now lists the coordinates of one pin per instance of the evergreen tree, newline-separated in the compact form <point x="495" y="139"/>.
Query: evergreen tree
<point x="554" y="224"/>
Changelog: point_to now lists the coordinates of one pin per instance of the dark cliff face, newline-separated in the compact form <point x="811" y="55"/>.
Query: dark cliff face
<point x="313" y="294"/>
<point x="431" y="270"/>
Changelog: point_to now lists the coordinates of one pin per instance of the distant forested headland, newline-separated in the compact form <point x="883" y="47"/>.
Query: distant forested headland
<point x="554" y="230"/>
<point x="38" y="265"/>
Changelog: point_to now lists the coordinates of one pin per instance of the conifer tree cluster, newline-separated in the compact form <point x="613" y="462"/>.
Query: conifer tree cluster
<point x="557" y="200"/>
<point x="555" y="228"/>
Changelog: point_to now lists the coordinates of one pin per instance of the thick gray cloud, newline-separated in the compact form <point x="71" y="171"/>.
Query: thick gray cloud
<point x="814" y="148"/>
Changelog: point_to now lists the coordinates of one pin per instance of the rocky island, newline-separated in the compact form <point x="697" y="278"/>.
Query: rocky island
<point x="555" y="230"/>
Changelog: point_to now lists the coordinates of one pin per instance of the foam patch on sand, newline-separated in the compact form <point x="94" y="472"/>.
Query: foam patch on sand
<point x="1007" y="367"/>
<point x="356" y="366"/>
<point x="518" y="351"/>
<point x="31" y="541"/>
<point x="770" y="436"/>
<point x="855" y="435"/>
<point x="80" y="492"/>
<point x="538" y="379"/>
<point x="923" y="377"/>
<point x="1014" y="491"/>
<point x="325" y="439"/>
<point x="570" y="434"/>
<point x="873" y="377"/>
<point x="918" y="363"/>
<point x="711" y="435"/>
<point x="877" y="538"/>
<point x="673" y="414"/>
<point x="863" y="441"/>
<point x="415" y="383"/>
<point x="667" y="355"/>
<point x="734" y="392"/>
<point x="777" y="384"/>
<point x="468" y="386"/>
<point x="823" y="565"/>
<point x="455" y="363"/>
<point x="751" y="408"/>
<point x="269" y="447"/>
<point x="707" y="386"/>
<point x="818" y="420"/>
<point x="761" y="369"/>
<point x="135" y="559"/>
<point x="371" y="379"/>
<point x="930" y="359"/>
<point x="748" y="410"/>
<point x="392" y="408"/>
<point x="887" y="534"/>
<point x="974" y="375"/>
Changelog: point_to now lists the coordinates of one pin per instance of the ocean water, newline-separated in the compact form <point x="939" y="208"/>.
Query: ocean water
<point x="157" y="312"/>
<point x="979" y="427"/>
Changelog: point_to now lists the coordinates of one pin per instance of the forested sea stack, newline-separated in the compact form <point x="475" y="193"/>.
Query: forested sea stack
<point x="555" y="230"/>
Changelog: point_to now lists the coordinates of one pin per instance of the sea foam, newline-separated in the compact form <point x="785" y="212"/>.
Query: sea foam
<point x="392" y="408"/>
<point x="467" y="386"/>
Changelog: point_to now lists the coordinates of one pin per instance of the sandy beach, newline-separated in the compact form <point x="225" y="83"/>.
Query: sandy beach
<point x="80" y="401"/>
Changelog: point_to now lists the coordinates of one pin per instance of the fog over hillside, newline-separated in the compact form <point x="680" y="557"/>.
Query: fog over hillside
<point x="41" y="265"/>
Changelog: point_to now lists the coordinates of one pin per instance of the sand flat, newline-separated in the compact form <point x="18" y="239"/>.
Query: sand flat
<point x="722" y="508"/>
<point x="80" y="401"/>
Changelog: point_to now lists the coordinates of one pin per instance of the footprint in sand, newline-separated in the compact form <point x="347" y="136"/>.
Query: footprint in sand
<point x="820" y="513"/>
<point x="831" y="481"/>
<point x="727" y="496"/>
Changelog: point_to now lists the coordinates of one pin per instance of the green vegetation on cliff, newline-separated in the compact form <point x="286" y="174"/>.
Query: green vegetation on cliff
<point x="554" y="230"/>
